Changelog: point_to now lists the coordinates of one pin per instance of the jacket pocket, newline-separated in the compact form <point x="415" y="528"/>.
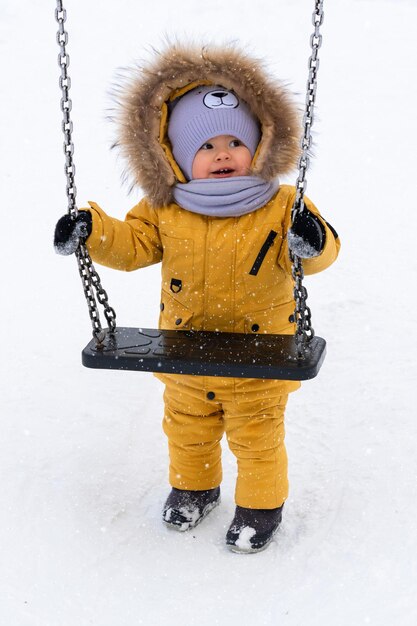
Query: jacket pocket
<point x="262" y="278"/>
<point x="174" y="315"/>
<point x="177" y="263"/>
<point x="269" y="241"/>
<point x="273" y="320"/>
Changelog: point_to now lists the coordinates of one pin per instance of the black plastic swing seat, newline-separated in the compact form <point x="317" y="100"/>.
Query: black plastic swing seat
<point x="205" y="353"/>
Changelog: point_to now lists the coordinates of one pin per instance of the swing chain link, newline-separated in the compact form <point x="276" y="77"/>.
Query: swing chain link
<point x="66" y="107"/>
<point x="305" y="332"/>
<point x="91" y="282"/>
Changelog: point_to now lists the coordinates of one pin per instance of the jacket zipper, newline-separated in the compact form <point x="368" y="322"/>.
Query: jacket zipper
<point x="263" y="252"/>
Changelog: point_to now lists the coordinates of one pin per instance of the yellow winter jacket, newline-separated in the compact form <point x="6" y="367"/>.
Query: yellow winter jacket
<point x="227" y="274"/>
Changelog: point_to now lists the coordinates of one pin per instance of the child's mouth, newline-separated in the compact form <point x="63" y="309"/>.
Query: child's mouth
<point x="223" y="172"/>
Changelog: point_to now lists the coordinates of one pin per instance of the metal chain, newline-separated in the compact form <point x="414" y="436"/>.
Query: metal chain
<point x="305" y="331"/>
<point x="91" y="282"/>
<point x="66" y="106"/>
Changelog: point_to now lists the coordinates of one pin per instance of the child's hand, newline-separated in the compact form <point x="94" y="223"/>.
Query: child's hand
<point x="69" y="232"/>
<point x="306" y="236"/>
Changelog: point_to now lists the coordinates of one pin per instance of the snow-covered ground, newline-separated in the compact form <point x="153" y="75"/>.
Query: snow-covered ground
<point x="83" y="459"/>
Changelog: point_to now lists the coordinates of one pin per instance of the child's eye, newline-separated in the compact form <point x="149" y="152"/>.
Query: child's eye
<point x="207" y="146"/>
<point x="235" y="143"/>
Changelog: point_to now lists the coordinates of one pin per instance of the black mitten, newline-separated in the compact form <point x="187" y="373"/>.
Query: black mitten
<point x="70" y="231"/>
<point x="307" y="236"/>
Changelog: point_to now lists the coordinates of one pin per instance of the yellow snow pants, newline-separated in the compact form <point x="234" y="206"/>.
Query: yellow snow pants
<point x="199" y="410"/>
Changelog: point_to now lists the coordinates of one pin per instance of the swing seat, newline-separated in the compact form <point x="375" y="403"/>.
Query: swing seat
<point x="205" y="353"/>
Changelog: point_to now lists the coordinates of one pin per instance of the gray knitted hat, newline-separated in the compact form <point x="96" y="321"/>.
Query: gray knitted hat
<point x="203" y="113"/>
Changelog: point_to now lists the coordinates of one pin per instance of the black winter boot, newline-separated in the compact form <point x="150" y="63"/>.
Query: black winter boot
<point x="252" y="530"/>
<point x="185" y="509"/>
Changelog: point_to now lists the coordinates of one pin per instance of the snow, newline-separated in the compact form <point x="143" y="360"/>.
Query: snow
<point x="245" y="535"/>
<point x="300" y="247"/>
<point x="83" y="458"/>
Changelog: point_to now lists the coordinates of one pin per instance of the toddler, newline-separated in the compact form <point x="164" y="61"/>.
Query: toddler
<point x="206" y="133"/>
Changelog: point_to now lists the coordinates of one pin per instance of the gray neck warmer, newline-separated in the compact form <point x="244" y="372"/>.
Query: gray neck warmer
<point x="225" y="197"/>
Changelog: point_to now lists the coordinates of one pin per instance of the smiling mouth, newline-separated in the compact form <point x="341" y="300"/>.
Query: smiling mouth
<point x="224" y="171"/>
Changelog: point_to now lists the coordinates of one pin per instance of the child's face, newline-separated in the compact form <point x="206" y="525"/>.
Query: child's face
<point x="223" y="156"/>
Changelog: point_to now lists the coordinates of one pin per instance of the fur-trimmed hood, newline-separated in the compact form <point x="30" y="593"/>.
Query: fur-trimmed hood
<point x="142" y="113"/>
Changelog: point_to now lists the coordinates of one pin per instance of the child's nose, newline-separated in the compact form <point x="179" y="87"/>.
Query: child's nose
<point x="222" y="154"/>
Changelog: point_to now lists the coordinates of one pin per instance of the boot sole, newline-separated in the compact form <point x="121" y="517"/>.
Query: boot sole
<point x="179" y="527"/>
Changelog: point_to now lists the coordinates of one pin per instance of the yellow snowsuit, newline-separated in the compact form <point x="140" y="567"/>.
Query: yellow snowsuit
<point x="225" y="274"/>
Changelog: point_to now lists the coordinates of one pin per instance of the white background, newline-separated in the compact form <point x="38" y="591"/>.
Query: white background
<point x="83" y="459"/>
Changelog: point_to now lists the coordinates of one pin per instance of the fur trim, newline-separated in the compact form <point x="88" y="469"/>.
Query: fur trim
<point x="141" y="99"/>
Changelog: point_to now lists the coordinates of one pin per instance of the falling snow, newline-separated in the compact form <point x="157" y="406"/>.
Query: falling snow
<point x="83" y="457"/>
